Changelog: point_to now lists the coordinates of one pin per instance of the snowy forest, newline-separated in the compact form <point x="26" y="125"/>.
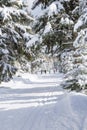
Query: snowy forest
<point x="50" y="36"/>
<point x="43" y="65"/>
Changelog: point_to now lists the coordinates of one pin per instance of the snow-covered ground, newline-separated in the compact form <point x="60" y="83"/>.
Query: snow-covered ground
<point x="38" y="102"/>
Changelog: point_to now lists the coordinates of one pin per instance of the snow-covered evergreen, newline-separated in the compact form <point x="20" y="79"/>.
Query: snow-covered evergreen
<point x="54" y="25"/>
<point x="82" y="20"/>
<point x="59" y="35"/>
<point x="14" y="35"/>
<point x="77" y="78"/>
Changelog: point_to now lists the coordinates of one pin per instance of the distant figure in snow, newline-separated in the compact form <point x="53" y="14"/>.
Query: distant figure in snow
<point x="45" y="71"/>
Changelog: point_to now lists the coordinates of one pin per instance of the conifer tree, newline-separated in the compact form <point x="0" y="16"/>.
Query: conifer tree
<point x="55" y="23"/>
<point x="14" y="36"/>
<point x="77" y="78"/>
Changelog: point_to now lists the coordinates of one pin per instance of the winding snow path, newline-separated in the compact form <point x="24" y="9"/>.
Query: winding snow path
<point x="39" y="103"/>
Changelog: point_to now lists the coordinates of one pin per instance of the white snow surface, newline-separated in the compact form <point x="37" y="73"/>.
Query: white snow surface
<point x="38" y="102"/>
<point x="48" y="28"/>
<point x="52" y="9"/>
<point x="66" y="21"/>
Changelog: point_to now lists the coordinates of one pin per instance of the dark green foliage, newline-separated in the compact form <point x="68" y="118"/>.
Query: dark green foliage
<point x="70" y="5"/>
<point x="50" y="41"/>
<point x="40" y="24"/>
<point x="73" y="85"/>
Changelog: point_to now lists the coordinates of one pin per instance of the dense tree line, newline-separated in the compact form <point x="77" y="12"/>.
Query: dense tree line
<point x="62" y="27"/>
<point x="58" y="30"/>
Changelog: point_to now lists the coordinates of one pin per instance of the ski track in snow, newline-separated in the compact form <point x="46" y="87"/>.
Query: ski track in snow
<point x="41" y="104"/>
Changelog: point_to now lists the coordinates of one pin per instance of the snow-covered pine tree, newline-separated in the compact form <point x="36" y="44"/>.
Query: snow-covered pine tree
<point x="46" y="23"/>
<point x="55" y="22"/>
<point x="77" y="78"/>
<point x="68" y="20"/>
<point x="14" y="36"/>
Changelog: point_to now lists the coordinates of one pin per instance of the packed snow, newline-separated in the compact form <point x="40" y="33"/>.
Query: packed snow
<point x="48" y="28"/>
<point x="38" y="102"/>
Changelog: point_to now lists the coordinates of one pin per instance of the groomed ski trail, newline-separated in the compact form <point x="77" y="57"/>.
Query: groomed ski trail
<point x="40" y="103"/>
